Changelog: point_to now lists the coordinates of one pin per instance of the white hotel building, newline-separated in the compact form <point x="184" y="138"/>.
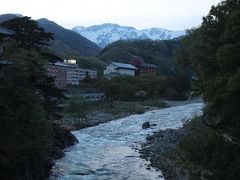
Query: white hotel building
<point x="115" y="69"/>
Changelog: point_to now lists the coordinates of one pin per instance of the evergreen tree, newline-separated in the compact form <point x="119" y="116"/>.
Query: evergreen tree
<point x="28" y="34"/>
<point x="26" y="103"/>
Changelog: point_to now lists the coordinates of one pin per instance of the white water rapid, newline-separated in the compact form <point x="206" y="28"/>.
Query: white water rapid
<point x="105" y="151"/>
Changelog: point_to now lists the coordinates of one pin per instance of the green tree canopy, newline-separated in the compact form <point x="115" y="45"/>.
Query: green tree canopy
<point x="214" y="50"/>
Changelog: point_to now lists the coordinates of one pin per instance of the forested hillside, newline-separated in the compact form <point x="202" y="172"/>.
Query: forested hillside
<point x="68" y="43"/>
<point x="161" y="53"/>
<point x="65" y="43"/>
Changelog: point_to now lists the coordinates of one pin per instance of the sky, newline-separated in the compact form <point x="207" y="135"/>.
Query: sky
<point x="141" y="14"/>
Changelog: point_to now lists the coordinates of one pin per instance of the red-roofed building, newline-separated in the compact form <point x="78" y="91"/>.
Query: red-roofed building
<point x="144" y="68"/>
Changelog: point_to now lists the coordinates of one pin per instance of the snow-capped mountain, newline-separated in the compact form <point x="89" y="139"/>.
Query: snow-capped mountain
<point x="107" y="33"/>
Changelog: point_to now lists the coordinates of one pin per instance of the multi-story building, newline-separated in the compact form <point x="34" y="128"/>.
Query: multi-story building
<point x="87" y="73"/>
<point x="93" y="95"/>
<point x="87" y="94"/>
<point x="69" y="73"/>
<point x="59" y="72"/>
<point x="82" y="74"/>
<point x="73" y="76"/>
<point x="144" y="68"/>
<point x="115" y="69"/>
<point x="70" y="61"/>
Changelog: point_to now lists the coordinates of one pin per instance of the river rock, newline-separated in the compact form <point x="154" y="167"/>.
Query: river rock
<point x="63" y="138"/>
<point x="146" y="125"/>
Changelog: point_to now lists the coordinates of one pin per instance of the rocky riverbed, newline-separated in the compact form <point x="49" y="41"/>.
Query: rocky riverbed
<point x="99" y="116"/>
<point x="163" y="150"/>
<point x="108" y="151"/>
<point x="159" y="148"/>
<point x="96" y="117"/>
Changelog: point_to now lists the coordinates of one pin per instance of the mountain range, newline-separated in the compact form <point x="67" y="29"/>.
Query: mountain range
<point x="107" y="33"/>
<point x="66" y="42"/>
<point x="88" y="41"/>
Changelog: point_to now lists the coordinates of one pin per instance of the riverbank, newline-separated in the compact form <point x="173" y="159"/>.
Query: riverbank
<point x="165" y="151"/>
<point x="115" y="141"/>
<point x="119" y="110"/>
<point x="108" y="111"/>
<point x="195" y="151"/>
<point x="160" y="149"/>
<point x="62" y="139"/>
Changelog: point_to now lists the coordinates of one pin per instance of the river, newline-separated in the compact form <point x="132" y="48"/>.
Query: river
<point x="108" y="151"/>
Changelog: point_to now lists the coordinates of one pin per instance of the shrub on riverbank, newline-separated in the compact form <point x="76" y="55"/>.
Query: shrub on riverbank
<point x="139" y="110"/>
<point x="125" y="88"/>
<point x="194" y="152"/>
<point x="208" y="148"/>
<point x="154" y="102"/>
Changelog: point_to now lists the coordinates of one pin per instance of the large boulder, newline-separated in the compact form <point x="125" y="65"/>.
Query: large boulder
<point x="146" y="125"/>
<point x="63" y="138"/>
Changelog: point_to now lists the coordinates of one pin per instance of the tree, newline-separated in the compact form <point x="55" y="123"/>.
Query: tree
<point x="27" y="33"/>
<point x="77" y="109"/>
<point x="213" y="49"/>
<point x="26" y="104"/>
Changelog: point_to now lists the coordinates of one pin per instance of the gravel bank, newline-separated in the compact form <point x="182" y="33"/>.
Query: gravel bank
<point x="160" y="149"/>
<point x="163" y="151"/>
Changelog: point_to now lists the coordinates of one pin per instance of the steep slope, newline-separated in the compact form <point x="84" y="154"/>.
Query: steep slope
<point x="107" y="33"/>
<point x="67" y="42"/>
<point x="5" y="17"/>
<point x="161" y="53"/>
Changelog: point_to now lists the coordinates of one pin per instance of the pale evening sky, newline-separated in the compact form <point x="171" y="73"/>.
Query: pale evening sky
<point x="170" y="14"/>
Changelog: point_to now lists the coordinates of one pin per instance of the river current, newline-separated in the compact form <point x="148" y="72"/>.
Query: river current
<point x="108" y="151"/>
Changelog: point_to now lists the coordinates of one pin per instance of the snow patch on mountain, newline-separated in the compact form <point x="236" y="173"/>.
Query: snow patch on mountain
<point x="107" y="33"/>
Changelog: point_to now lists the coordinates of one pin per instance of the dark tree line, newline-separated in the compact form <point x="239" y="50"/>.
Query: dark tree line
<point x="26" y="102"/>
<point x="127" y="87"/>
<point x="214" y="50"/>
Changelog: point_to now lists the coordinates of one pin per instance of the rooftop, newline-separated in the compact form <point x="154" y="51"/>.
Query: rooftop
<point x="149" y="65"/>
<point x="6" y="31"/>
<point x="122" y="65"/>
<point x="4" y="61"/>
<point x="63" y="64"/>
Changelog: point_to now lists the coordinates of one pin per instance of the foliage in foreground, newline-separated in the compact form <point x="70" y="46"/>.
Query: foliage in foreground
<point x="208" y="148"/>
<point x="213" y="49"/>
<point x="26" y="103"/>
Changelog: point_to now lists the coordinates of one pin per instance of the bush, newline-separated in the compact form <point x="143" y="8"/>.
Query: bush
<point x="207" y="147"/>
<point x="139" y="110"/>
<point x="156" y="102"/>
